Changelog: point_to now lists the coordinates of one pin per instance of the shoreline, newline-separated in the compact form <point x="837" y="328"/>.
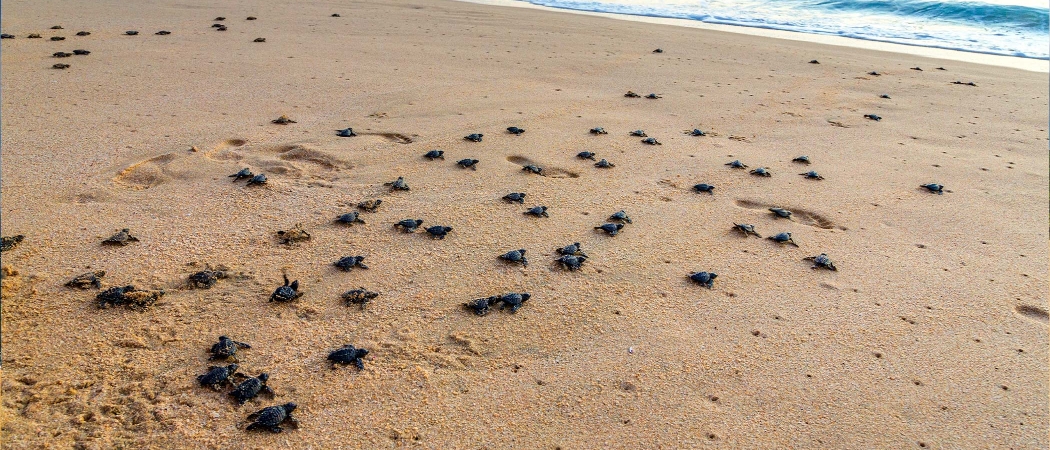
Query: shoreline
<point x="1013" y="62"/>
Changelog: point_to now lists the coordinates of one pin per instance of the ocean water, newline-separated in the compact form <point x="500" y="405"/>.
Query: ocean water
<point x="1001" y="27"/>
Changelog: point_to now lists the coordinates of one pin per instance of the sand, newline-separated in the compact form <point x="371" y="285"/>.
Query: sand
<point x="931" y="334"/>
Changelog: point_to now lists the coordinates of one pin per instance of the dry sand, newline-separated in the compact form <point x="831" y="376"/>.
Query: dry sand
<point x="932" y="333"/>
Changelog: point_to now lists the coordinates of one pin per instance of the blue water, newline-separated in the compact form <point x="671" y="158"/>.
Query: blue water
<point x="1001" y="27"/>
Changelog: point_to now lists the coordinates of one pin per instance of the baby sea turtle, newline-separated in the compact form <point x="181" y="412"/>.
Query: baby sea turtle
<point x="538" y="211"/>
<point x="631" y="94"/>
<point x="697" y="132"/>
<point x="598" y="130"/>
<point x="9" y="242"/>
<point x="801" y="159"/>
<point x="812" y="175"/>
<point x="438" y="231"/>
<point x="6" y="36"/>
<point x="348" y="354"/>
<point x="468" y="163"/>
<point x="884" y="96"/>
<point x="243" y="173"/>
<point x="872" y="117"/>
<point x="704" y="187"/>
<point x="736" y="164"/>
<point x="370" y="205"/>
<point x="345" y="132"/>
<point x="129" y="33"/>
<point x="349" y="218"/>
<point x="250" y="388"/>
<point x="653" y="96"/>
<point x="57" y="27"/>
<point x="515" y="130"/>
<point x="58" y="38"/>
<point x="263" y="40"/>
<point x="571" y="263"/>
<point x="270" y="418"/>
<point x="518" y="197"/>
<point x="359" y="296"/>
<point x="917" y="68"/>
<point x="746" y="229"/>
<point x="221" y="28"/>
<point x="706" y="279"/>
<point x="612" y="228"/>
<point x="571" y="249"/>
<point x="533" y="169"/>
<point x="780" y="213"/>
<point x="659" y="50"/>
<point x="783" y="238"/>
<point x="398" y="184"/>
<point x="934" y="188"/>
<point x="86" y="280"/>
<point x="814" y="62"/>
<point x="762" y="172"/>
<point x="474" y="137"/>
<point x="965" y="84"/>
<point x="336" y="15"/>
<point x="639" y="133"/>
<point x="226" y="349"/>
<point x="434" y="154"/>
<point x="287" y="292"/>
<point x="81" y="52"/>
<point x="620" y="216"/>
<point x="283" y="120"/>
<point x="129" y="296"/>
<point x="60" y="66"/>
<point x="516" y="256"/>
<point x="513" y="300"/>
<point x="409" y="225"/>
<point x="293" y="235"/>
<point x="122" y="238"/>
<point x="347" y="263"/>
<point x="821" y="261"/>
<point x="61" y="54"/>
<point x="218" y="376"/>
<point x="874" y="73"/>
<point x="603" y="164"/>
<point x="205" y="279"/>
<point x="585" y="155"/>
<point x="651" y="141"/>
<point x="162" y="33"/>
<point x="481" y="306"/>
<point x="259" y="179"/>
<point x="33" y="36"/>
<point x="219" y="19"/>
<point x="250" y="18"/>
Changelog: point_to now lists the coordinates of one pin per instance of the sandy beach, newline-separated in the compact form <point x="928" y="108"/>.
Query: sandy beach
<point x="931" y="333"/>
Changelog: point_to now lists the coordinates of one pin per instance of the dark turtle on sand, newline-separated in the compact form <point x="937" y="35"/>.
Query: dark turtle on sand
<point x="884" y="96"/>
<point x="219" y="19"/>
<point x="113" y="296"/>
<point x="659" y="50"/>
<point x="513" y="300"/>
<point x="226" y="349"/>
<point x="874" y="73"/>
<point x="598" y="130"/>
<point x="970" y="83"/>
<point x="162" y="33"/>
<point x="736" y="164"/>
<point x="801" y="159"/>
<point x="812" y="175"/>
<point x="221" y="28"/>
<point x="518" y="197"/>
<point x="940" y="68"/>
<point x="746" y="229"/>
<point x="585" y="155"/>
<point x="345" y="132"/>
<point x="129" y="33"/>
<point x="348" y="354"/>
<point x="571" y="263"/>
<point x="259" y="179"/>
<point x="218" y="376"/>
<point x="651" y="141"/>
<point x="58" y="38"/>
<point x="603" y="164"/>
<point x="653" y="96"/>
<point x="409" y="225"/>
<point x="620" y="216"/>
<point x="128" y="296"/>
<point x="359" y="296"/>
<point x="250" y="388"/>
<point x="205" y="279"/>
<point x="821" y="261"/>
<point x="515" y="130"/>
<point x="934" y="188"/>
<point x="697" y="132"/>
<point x="813" y="61"/>
<point x="481" y="306"/>
<point x="336" y="15"/>
<point x="81" y="52"/>
<point x="287" y="292"/>
<point x="61" y="54"/>
<point x="122" y="238"/>
<point x="762" y="172"/>
<point x="872" y="117"/>
<point x="245" y="173"/>
<point x="639" y="133"/>
<point x="516" y="256"/>
<point x="434" y="154"/>
<point x="705" y="279"/>
<point x="780" y="213"/>
<point x="571" y="249"/>
<point x="60" y="66"/>
<point x="704" y="187"/>
<point x="349" y="218"/>
<point x="631" y="94"/>
<point x="468" y="163"/>
<point x="270" y="418"/>
<point x="438" y="231"/>
<point x="370" y="205"/>
<point x="264" y="40"/>
<point x="34" y="36"/>
<point x="347" y="263"/>
<point x="293" y="235"/>
<point x="251" y="18"/>
<point x="538" y="211"/>
<point x="6" y="36"/>
<point x="917" y="68"/>
<point x="612" y="228"/>
<point x="783" y="238"/>
<point x="283" y="120"/>
<point x="474" y="137"/>
<point x="533" y="169"/>
<point x="9" y="242"/>
<point x="87" y="280"/>
<point x="398" y="184"/>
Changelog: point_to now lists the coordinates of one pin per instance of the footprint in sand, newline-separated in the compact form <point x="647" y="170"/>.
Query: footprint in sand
<point x="1034" y="313"/>
<point x="146" y="174"/>
<point x="283" y="159"/>
<point x="224" y="151"/>
<point x="801" y="216"/>
<point x="548" y="171"/>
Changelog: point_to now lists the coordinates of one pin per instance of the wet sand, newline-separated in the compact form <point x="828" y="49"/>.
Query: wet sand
<point x="932" y="333"/>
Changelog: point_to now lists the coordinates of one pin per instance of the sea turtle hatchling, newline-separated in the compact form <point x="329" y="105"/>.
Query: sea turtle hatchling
<point x="468" y="163"/>
<point x="438" y="231"/>
<point x="780" y="213"/>
<point x="409" y="225"/>
<point x="598" y="130"/>
<point x="821" y="261"/>
<point x="283" y="120"/>
<point x="87" y="280"/>
<point x="226" y="349"/>
<point x="34" y="36"/>
<point x="812" y="175"/>
<point x="704" y="187"/>
<point x="129" y="33"/>
<point x="934" y="188"/>
<point x="348" y="354"/>
<point x="57" y="27"/>
<point x="761" y="171"/>
<point x="218" y="377"/>
<point x="60" y="66"/>
<point x="659" y="50"/>
<point x="474" y="137"/>
<point x="515" y="130"/>
<point x="783" y="238"/>
<point x="121" y="238"/>
<point x="219" y="19"/>
<point x="250" y="388"/>
<point x="9" y="242"/>
<point x="746" y="229"/>
<point x="251" y="18"/>
<point x="398" y="184"/>
<point x="639" y="133"/>
<point x="81" y="52"/>
<point x="585" y="155"/>
<point x="518" y="197"/>
<point x="162" y="33"/>
<point x="631" y="94"/>
<point x="370" y="205"/>
<point x="345" y="132"/>
<point x="801" y="159"/>
<point x="262" y="39"/>
<point x="347" y="263"/>
<point x="481" y="306"/>
<point x="271" y="418"/>
<point x="286" y="293"/>
<point x="874" y="73"/>
<point x="697" y="132"/>
<point x="736" y="164"/>
<point x="611" y="228"/>
<point x="434" y="154"/>
<point x="970" y="83"/>
<point x="651" y="141"/>
<point x="813" y="61"/>
<point x="244" y="173"/>
<point x="58" y="38"/>
<point x="293" y="235"/>
<point x="537" y="211"/>
<point x="604" y="164"/>
<point x="359" y="296"/>
<point x="620" y="216"/>
<point x="571" y="249"/>
<point x="516" y="256"/>
<point x="653" y="96"/>
<point x="886" y="96"/>
<point x="513" y="300"/>
<point x="6" y="36"/>
<point x="128" y="296"/>
<point x="61" y="54"/>
<point x="571" y="263"/>
<point x="205" y="279"/>
<point x="532" y="168"/>
<point x="349" y="218"/>
<point x="872" y="117"/>
<point x="257" y="180"/>
<point x="705" y="279"/>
